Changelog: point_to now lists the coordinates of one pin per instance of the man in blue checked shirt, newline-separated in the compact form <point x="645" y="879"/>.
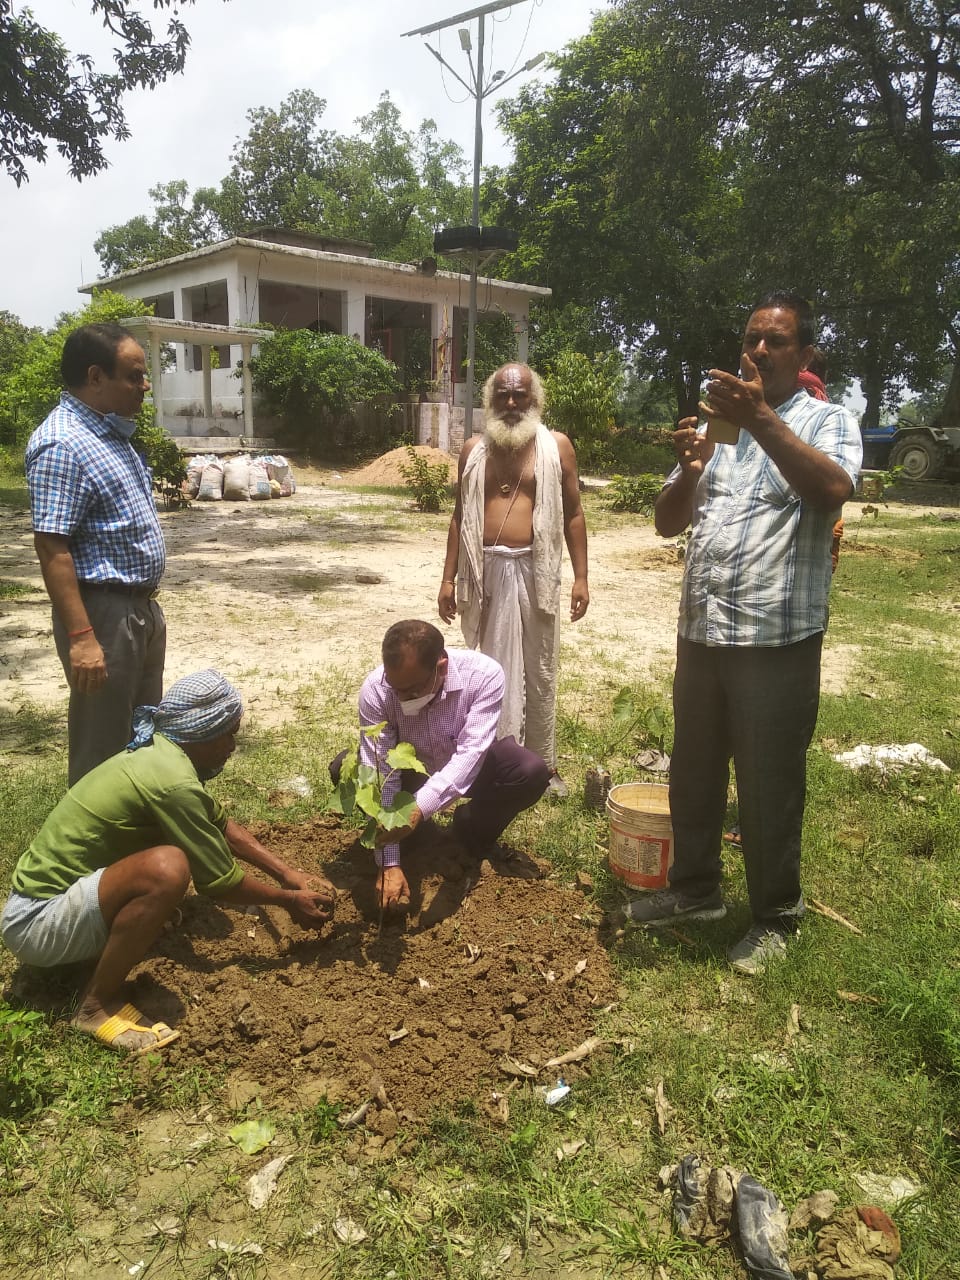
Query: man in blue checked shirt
<point x="753" y="610"/>
<point x="99" y="541"/>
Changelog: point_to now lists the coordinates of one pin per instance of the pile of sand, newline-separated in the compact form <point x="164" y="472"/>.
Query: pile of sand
<point x="385" y="470"/>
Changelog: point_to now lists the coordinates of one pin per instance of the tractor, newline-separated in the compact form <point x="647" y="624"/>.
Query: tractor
<point x="921" y="453"/>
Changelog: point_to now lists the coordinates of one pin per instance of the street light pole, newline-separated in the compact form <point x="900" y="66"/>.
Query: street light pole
<point x="479" y="92"/>
<point x="474" y="257"/>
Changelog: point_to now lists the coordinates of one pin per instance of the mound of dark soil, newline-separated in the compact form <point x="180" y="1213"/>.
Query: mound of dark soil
<point x="482" y="982"/>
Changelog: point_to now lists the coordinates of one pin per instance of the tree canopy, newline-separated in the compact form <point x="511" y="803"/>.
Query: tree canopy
<point x="384" y="184"/>
<point x="49" y="95"/>
<point x="685" y="160"/>
<point x="30" y="386"/>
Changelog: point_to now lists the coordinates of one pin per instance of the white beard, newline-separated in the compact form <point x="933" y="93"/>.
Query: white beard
<point x="511" y="439"/>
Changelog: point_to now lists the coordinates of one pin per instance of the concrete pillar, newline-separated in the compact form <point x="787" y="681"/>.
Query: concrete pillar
<point x="183" y="310"/>
<point x="156" y="378"/>
<point x="207" y="382"/>
<point x="246" y="350"/>
<point x="354" y="315"/>
<point x="441" y="335"/>
<point x="522" y="325"/>
<point x="235" y="311"/>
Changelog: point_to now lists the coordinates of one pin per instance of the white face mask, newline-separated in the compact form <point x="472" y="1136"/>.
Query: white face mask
<point x="413" y="706"/>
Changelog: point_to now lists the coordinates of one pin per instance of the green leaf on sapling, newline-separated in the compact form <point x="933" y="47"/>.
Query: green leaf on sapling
<point x="624" y="707"/>
<point x="344" y="798"/>
<point x="368" y="799"/>
<point x="404" y="756"/>
<point x="398" y="814"/>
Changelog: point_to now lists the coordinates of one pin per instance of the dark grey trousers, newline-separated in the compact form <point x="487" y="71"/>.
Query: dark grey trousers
<point x="760" y="707"/>
<point x="133" y="635"/>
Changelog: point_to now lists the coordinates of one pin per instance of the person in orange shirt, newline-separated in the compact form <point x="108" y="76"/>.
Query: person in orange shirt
<point x="813" y="381"/>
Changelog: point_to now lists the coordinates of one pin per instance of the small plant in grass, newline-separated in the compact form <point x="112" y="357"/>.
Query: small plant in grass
<point x="361" y="787"/>
<point x="647" y="720"/>
<point x="879" y="482"/>
<point x="428" y="480"/>
<point x="163" y="457"/>
<point x="634" y="493"/>
<point x="21" y="1087"/>
<point x="320" y="1122"/>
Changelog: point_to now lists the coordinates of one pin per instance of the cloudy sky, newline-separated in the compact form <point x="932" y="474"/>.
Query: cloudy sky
<point x="245" y="54"/>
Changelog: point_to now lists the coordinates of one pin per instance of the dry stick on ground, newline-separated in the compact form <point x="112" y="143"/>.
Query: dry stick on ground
<point x="829" y="912"/>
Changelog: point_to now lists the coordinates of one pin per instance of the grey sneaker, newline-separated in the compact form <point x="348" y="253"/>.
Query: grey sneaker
<point x="556" y="787"/>
<point x="757" y="948"/>
<point x="667" y="905"/>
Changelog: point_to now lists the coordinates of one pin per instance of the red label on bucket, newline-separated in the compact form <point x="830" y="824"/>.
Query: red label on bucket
<point x="640" y="860"/>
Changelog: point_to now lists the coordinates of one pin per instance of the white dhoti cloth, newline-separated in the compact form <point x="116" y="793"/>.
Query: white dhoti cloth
<point x="524" y="640"/>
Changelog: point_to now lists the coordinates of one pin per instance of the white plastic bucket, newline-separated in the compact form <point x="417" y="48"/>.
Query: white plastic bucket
<point x="641" y="834"/>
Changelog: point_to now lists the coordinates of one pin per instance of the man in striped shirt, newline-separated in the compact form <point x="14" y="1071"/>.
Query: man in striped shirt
<point x="98" y="540"/>
<point x="753" y="610"/>
<point x="447" y="705"/>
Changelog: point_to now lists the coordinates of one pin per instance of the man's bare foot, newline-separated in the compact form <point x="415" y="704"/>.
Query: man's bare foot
<point x="125" y="1029"/>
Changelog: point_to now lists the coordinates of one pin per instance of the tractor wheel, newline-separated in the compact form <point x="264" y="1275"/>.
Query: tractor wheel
<point x="919" y="456"/>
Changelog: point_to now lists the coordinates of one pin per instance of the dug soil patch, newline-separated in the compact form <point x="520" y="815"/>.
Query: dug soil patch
<point x="491" y="973"/>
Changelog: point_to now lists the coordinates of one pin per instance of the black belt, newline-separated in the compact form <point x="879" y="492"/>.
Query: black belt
<point x="121" y="589"/>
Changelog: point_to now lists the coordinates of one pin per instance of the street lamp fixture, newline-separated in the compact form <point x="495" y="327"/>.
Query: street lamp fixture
<point x="472" y="245"/>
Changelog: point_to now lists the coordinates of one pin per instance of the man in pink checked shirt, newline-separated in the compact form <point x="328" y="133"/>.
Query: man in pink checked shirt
<point x="446" y="703"/>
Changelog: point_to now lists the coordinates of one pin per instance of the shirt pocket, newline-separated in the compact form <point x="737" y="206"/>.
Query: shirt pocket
<point x="774" y="490"/>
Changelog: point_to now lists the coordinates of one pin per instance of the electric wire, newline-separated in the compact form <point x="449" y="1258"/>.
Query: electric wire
<point x="457" y="102"/>
<point x="526" y="35"/>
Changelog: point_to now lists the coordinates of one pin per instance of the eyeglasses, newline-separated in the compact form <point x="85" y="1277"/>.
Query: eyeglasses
<point x="416" y="690"/>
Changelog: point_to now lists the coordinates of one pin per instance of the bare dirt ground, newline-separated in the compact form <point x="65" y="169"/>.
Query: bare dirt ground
<point x="272" y="593"/>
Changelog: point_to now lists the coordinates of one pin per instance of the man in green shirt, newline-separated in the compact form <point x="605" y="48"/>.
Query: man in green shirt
<point x="115" y="858"/>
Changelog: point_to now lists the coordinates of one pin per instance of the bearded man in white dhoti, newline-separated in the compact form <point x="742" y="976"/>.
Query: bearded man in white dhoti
<point x="518" y="501"/>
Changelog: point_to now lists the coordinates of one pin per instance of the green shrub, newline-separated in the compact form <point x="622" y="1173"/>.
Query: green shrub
<point x="634" y="493"/>
<point x="633" y="450"/>
<point x="162" y="454"/>
<point x="313" y="382"/>
<point x="428" y="480"/>
<point x="32" y="388"/>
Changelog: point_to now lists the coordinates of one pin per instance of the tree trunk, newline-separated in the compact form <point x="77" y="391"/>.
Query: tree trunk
<point x="948" y="415"/>
<point x="872" y="387"/>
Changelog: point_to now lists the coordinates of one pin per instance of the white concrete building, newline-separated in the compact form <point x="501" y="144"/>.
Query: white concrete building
<point x="415" y="314"/>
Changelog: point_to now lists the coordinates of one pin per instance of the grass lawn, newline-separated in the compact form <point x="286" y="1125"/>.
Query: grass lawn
<point x="841" y="1064"/>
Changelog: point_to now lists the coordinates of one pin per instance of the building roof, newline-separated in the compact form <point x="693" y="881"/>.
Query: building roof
<point x="365" y="266"/>
<point x="311" y="240"/>
<point x="194" y="331"/>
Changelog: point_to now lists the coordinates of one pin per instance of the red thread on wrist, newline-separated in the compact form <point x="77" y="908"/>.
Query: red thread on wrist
<point x="72" y="635"/>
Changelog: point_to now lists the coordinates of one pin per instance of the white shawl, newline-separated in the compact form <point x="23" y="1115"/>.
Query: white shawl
<point x="547" y="532"/>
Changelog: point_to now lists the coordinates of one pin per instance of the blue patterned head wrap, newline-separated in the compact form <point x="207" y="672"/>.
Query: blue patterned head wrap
<point x="197" y="708"/>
